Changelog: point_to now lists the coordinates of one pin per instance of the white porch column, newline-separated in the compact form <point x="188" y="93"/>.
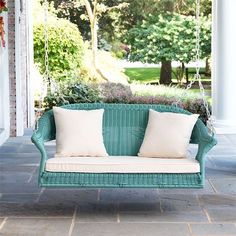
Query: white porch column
<point x="18" y="57"/>
<point x="224" y="65"/>
<point x="30" y="62"/>
<point x="4" y="87"/>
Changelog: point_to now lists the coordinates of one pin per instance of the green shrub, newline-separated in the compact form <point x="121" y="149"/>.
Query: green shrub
<point x="66" y="48"/>
<point x="119" y="50"/>
<point x="75" y="93"/>
<point x="115" y="93"/>
<point x="195" y="106"/>
<point x="104" y="45"/>
<point x="118" y="93"/>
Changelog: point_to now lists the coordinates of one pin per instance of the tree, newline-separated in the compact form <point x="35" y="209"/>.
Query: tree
<point x="168" y="37"/>
<point x="139" y="10"/>
<point x="94" y="11"/>
<point x="188" y="7"/>
<point x="71" y="10"/>
<point x="114" y="24"/>
<point x="66" y="49"/>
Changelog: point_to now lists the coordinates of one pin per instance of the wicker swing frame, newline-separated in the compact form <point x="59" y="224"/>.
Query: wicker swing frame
<point x="121" y="123"/>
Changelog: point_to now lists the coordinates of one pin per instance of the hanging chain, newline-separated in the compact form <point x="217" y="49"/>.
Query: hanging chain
<point x="46" y="59"/>
<point x="46" y="64"/>
<point x="197" y="76"/>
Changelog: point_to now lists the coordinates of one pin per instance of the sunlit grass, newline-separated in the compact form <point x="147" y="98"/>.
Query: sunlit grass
<point x="148" y="75"/>
<point x="143" y="75"/>
<point x="161" y="90"/>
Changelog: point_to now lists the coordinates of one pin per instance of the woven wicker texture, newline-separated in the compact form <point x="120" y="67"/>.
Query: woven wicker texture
<point x="51" y="179"/>
<point x="123" y="131"/>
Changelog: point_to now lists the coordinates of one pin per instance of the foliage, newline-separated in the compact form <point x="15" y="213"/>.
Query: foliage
<point x="168" y="37"/>
<point x="139" y="10"/>
<point x="74" y="93"/>
<point x="143" y="94"/>
<point x="147" y="75"/>
<point x="119" y="49"/>
<point x="115" y="93"/>
<point x="108" y="64"/>
<point x="3" y="6"/>
<point x="115" y="24"/>
<point x="103" y="44"/>
<point x="188" y="7"/>
<point x="94" y="10"/>
<point x="118" y="93"/>
<point x="65" y="48"/>
<point x="74" y="11"/>
<point x="68" y="9"/>
<point x="161" y="90"/>
<point x="136" y="12"/>
<point x="195" y="106"/>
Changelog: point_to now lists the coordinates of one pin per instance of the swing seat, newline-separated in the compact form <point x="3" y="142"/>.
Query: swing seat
<point x="122" y="164"/>
<point x="123" y="132"/>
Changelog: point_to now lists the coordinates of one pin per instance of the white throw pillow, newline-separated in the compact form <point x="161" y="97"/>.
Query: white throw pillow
<point x="79" y="132"/>
<point x="167" y="135"/>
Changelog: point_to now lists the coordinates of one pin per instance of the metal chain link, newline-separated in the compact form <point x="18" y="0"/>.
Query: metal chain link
<point x="197" y="76"/>
<point x="46" y="64"/>
<point x="46" y="61"/>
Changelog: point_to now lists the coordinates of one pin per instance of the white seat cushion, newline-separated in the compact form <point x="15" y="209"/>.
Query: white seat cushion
<point x="122" y="164"/>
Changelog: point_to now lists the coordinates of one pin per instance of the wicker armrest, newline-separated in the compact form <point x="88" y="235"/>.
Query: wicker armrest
<point x="39" y="143"/>
<point x="45" y="132"/>
<point x="205" y="144"/>
<point x="204" y="147"/>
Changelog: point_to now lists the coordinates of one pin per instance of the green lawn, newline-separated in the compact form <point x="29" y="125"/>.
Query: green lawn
<point x="143" y="75"/>
<point x="148" y="75"/>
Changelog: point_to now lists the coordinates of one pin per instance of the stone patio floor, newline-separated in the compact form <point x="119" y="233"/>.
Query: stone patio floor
<point x="26" y="209"/>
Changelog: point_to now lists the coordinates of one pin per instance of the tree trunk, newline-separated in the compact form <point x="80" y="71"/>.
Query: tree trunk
<point x="208" y="66"/>
<point x="182" y="72"/>
<point x="93" y="18"/>
<point x="169" y="5"/>
<point x="94" y="39"/>
<point x="166" y="69"/>
<point x="94" y="42"/>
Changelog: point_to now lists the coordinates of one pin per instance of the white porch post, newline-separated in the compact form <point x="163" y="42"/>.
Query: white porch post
<point x="224" y="65"/>
<point x="4" y="87"/>
<point x="30" y="62"/>
<point x="19" y="98"/>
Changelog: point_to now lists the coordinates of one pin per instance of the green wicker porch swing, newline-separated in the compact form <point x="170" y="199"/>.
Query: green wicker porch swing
<point x="123" y="131"/>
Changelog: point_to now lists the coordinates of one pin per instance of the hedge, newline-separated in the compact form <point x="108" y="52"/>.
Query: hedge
<point x="117" y="93"/>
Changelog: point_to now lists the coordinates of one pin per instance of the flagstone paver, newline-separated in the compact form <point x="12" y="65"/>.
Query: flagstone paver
<point x="213" y="229"/>
<point x="36" y="226"/>
<point x="131" y="229"/>
<point x="26" y="209"/>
